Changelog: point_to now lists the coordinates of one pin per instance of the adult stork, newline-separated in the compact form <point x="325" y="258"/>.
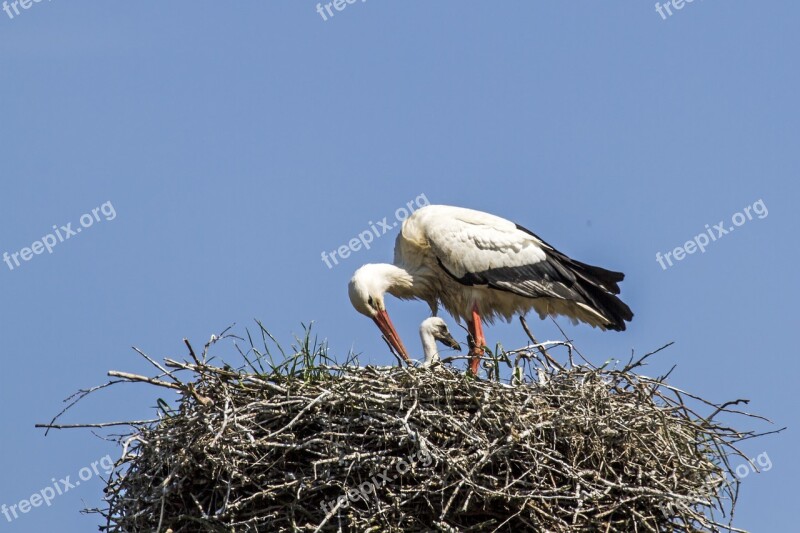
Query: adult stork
<point x="480" y="267"/>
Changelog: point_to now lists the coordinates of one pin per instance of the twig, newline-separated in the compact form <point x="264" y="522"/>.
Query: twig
<point x="144" y="379"/>
<point x="541" y="348"/>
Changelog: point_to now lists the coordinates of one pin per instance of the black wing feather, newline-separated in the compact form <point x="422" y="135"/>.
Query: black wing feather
<point x="558" y="276"/>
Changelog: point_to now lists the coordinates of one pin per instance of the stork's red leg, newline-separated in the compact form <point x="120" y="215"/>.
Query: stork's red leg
<point x="478" y="341"/>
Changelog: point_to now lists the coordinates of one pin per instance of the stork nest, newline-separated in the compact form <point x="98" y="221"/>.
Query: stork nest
<point x="306" y="445"/>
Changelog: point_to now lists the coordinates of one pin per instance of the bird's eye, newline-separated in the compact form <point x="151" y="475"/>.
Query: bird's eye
<point x="370" y="302"/>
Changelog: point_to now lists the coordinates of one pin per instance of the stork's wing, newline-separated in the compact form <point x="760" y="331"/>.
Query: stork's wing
<point x="477" y="248"/>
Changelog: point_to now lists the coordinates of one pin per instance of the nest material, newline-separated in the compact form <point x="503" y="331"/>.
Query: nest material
<point x="320" y="448"/>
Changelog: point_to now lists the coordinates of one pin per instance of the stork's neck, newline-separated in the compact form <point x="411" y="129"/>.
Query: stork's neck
<point x="406" y="283"/>
<point x="429" y="347"/>
<point x="402" y="282"/>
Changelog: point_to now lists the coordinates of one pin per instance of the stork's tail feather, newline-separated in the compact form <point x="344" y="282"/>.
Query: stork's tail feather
<point x="607" y="279"/>
<point x="599" y="287"/>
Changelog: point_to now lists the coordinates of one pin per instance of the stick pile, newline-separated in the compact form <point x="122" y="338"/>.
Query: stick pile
<point x="311" y="447"/>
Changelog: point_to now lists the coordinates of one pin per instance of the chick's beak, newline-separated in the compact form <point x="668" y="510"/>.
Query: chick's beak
<point x="448" y="340"/>
<point x="384" y="323"/>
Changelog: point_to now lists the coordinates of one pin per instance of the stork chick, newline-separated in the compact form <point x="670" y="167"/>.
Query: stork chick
<point x="431" y="330"/>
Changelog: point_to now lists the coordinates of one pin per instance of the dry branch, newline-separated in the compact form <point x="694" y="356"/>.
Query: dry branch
<point x="316" y="447"/>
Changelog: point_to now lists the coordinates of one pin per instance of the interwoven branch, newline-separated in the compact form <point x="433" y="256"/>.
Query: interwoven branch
<point x="352" y="448"/>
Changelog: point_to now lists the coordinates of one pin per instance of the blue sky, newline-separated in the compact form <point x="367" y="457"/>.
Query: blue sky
<point x="236" y="142"/>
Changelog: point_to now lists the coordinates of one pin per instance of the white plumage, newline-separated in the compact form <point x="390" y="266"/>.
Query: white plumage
<point x="480" y="266"/>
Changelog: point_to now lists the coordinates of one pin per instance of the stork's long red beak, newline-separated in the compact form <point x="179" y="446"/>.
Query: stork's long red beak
<point x="384" y="323"/>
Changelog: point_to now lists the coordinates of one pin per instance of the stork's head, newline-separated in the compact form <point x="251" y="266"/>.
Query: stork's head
<point x="431" y="330"/>
<point x="367" y="288"/>
<point x="436" y="328"/>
